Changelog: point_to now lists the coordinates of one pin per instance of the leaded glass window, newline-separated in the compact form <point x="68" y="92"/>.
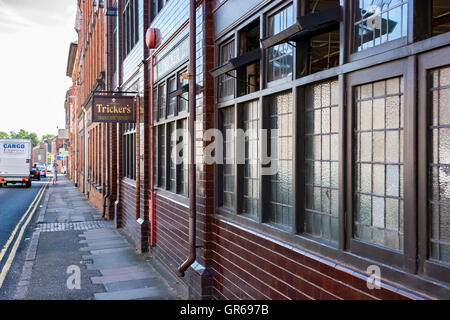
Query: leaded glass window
<point x="162" y="101"/>
<point x="280" y="117"/>
<point x="379" y="163"/>
<point x="183" y="168"/>
<point x="171" y="138"/>
<point x="280" y="56"/>
<point x="228" y="154"/>
<point x="251" y="168"/>
<point x="322" y="160"/>
<point x="439" y="164"/>
<point x="172" y="86"/>
<point x="378" y="21"/>
<point x="162" y="156"/>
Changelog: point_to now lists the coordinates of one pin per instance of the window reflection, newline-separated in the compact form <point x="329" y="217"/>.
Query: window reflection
<point x="378" y="21"/>
<point x="280" y="56"/>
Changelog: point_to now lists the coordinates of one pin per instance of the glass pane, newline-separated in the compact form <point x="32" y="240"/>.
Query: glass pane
<point x="439" y="166"/>
<point x="280" y="115"/>
<point x="228" y="154"/>
<point x="250" y="125"/>
<point x="280" y="56"/>
<point x="378" y="154"/>
<point x="322" y="170"/>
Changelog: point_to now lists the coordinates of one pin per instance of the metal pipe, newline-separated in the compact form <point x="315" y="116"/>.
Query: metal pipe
<point x="152" y="157"/>
<point x="192" y="168"/>
<point x="107" y="197"/>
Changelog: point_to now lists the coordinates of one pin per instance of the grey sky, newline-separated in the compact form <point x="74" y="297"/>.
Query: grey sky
<point x="34" y="43"/>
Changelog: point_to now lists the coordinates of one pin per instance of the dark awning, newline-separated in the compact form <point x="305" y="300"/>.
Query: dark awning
<point x="306" y="26"/>
<point x="237" y="62"/>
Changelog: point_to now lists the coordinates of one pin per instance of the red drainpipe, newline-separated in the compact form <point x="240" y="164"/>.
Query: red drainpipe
<point x="192" y="170"/>
<point x="152" y="157"/>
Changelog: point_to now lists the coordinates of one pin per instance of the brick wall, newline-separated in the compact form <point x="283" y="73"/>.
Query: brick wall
<point x="248" y="265"/>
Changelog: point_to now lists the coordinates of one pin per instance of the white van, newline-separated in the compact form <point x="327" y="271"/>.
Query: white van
<point x="15" y="161"/>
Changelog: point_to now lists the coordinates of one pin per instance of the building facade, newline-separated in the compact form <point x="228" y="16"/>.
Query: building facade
<point x="334" y="159"/>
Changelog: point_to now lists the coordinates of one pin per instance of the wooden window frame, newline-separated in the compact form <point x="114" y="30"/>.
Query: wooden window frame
<point x="129" y="151"/>
<point x="265" y="32"/>
<point x="426" y="62"/>
<point x="394" y="258"/>
<point x="228" y="66"/>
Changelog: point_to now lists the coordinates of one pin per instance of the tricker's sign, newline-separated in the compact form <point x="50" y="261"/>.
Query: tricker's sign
<point x="113" y="109"/>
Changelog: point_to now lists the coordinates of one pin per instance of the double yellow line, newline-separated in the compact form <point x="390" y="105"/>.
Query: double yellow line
<point x="27" y="217"/>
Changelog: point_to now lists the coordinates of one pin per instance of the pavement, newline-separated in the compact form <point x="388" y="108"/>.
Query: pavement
<point x="76" y="255"/>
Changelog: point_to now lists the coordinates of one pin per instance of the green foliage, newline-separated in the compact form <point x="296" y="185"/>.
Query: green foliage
<point x="23" y="134"/>
<point x="4" y="135"/>
<point x="48" y="137"/>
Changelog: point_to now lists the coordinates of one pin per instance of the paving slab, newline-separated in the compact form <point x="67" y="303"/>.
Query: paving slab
<point x="147" y="293"/>
<point x="129" y="285"/>
<point x="123" y="277"/>
<point x="105" y="246"/>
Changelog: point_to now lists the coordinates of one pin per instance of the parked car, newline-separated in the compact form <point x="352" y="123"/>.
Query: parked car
<point x="35" y="173"/>
<point x="42" y="169"/>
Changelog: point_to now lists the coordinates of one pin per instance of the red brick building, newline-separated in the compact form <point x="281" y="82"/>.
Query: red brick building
<point x="345" y="89"/>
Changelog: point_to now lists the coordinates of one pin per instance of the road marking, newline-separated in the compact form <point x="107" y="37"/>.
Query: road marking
<point x="13" y="252"/>
<point x="13" y="234"/>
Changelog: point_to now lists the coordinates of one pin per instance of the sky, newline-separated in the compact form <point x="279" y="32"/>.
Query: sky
<point x="34" y="45"/>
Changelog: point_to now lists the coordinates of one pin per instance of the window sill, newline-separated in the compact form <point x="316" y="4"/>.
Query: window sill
<point x="129" y="181"/>
<point x="174" y="197"/>
<point x="388" y="46"/>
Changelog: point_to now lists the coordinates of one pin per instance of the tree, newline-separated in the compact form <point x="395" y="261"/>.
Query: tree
<point x="23" y="134"/>
<point x="4" y="135"/>
<point x="48" y="137"/>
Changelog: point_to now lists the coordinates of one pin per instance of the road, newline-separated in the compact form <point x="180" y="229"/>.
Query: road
<point x="16" y="206"/>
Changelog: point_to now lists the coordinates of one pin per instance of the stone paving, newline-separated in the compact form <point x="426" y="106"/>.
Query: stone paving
<point x="70" y="232"/>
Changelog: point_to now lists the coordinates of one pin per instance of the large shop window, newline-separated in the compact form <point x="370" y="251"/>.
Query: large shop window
<point x="171" y="135"/>
<point x="378" y="22"/>
<point x="130" y="25"/>
<point x="280" y="56"/>
<point x="322" y="160"/>
<point x="129" y="151"/>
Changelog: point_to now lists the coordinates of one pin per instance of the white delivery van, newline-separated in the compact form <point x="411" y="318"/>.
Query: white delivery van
<point x="15" y="161"/>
